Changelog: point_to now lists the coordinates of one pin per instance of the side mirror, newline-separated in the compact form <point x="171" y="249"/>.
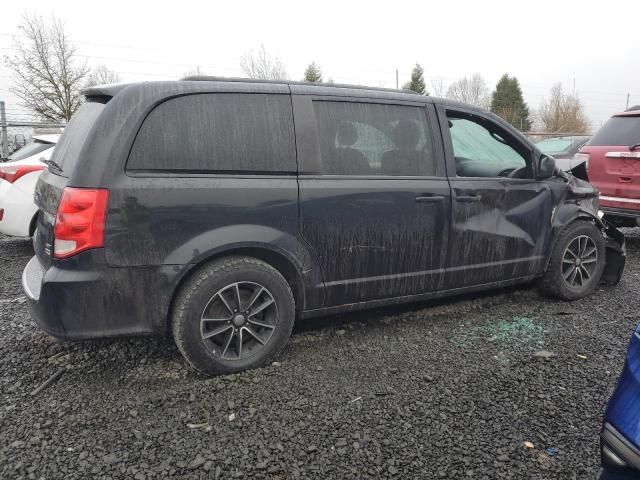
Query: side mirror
<point x="546" y="167"/>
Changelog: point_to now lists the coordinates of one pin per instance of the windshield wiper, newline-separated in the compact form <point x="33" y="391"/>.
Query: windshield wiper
<point x="53" y="164"/>
<point x="634" y="146"/>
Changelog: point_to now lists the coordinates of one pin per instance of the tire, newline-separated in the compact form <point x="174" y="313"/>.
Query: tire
<point x="206" y="328"/>
<point x="559" y="281"/>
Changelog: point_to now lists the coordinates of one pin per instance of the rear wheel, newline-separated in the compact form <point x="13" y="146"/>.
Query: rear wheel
<point x="235" y="313"/>
<point x="577" y="262"/>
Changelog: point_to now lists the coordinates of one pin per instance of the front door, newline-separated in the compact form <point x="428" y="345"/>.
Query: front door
<point x="374" y="200"/>
<point x="501" y="216"/>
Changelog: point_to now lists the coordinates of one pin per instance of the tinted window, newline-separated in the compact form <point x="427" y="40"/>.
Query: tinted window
<point x="480" y="152"/>
<point x="68" y="148"/>
<point x="29" y="150"/>
<point x="618" y="131"/>
<point x="373" y="139"/>
<point x="217" y="132"/>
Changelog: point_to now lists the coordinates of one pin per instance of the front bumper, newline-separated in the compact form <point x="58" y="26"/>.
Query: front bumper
<point x="616" y="255"/>
<point x="620" y="458"/>
<point x="82" y="298"/>
<point x="620" y="437"/>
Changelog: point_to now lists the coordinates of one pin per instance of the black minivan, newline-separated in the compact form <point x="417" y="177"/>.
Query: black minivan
<point x="221" y="210"/>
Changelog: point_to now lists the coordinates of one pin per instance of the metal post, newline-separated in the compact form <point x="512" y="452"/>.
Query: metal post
<point x="3" y="122"/>
<point x="397" y="83"/>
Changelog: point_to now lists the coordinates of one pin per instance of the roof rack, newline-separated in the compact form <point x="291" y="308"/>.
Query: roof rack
<point x="210" y="78"/>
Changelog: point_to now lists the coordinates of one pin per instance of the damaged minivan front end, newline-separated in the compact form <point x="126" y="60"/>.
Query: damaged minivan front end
<point x="581" y="201"/>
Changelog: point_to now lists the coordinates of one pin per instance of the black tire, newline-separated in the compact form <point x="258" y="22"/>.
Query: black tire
<point x="213" y="288"/>
<point x="554" y="283"/>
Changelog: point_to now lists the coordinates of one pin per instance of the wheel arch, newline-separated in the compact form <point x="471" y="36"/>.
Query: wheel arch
<point x="564" y="216"/>
<point x="281" y="261"/>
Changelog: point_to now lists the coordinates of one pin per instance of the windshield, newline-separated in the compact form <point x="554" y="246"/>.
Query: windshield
<point x="551" y="146"/>
<point x="29" y="150"/>
<point x="618" y="131"/>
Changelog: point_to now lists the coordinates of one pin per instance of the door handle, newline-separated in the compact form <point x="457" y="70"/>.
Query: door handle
<point x="429" y="199"/>
<point x="468" y="198"/>
<point x="624" y="179"/>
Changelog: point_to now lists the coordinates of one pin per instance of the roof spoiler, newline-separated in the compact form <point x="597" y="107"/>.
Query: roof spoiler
<point x="103" y="91"/>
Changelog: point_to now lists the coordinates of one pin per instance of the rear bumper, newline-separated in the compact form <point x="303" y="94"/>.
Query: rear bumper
<point x="18" y="210"/>
<point x="80" y="298"/>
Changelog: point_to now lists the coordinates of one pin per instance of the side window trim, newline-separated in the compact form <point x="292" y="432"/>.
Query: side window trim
<point x="443" y="121"/>
<point x="308" y="146"/>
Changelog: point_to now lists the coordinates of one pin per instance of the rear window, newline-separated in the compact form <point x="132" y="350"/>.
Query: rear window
<point x="618" y="131"/>
<point x="68" y="148"/>
<point x="29" y="150"/>
<point x="224" y="132"/>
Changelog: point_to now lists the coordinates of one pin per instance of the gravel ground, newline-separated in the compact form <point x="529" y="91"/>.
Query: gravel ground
<point x="441" y="390"/>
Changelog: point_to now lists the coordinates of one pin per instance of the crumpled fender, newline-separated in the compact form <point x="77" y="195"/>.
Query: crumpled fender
<point x="578" y="203"/>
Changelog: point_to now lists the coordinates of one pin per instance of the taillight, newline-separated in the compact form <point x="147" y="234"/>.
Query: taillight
<point x="578" y="158"/>
<point x="80" y="221"/>
<point x="12" y="173"/>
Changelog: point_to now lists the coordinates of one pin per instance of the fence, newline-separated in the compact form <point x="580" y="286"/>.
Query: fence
<point x="15" y="134"/>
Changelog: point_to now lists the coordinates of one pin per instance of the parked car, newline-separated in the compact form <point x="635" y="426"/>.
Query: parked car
<point x="563" y="150"/>
<point x="18" y="177"/>
<point x="620" y="437"/>
<point x="222" y="210"/>
<point x="613" y="165"/>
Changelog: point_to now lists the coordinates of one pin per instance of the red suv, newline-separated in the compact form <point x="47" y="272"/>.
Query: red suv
<point x="613" y="166"/>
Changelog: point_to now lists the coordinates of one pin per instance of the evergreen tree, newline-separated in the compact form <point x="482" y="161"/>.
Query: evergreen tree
<point x="417" y="81"/>
<point x="508" y="103"/>
<point x="313" y="74"/>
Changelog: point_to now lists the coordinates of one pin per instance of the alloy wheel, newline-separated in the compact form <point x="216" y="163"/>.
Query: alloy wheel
<point x="239" y="320"/>
<point x="579" y="261"/>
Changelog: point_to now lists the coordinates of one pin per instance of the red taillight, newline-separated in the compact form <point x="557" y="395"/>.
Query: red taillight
<point x="12" y="173"/>
<point x="80" y="221"/>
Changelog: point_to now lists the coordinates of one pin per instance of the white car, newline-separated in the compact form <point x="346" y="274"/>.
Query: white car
<point x="18" y="177"/>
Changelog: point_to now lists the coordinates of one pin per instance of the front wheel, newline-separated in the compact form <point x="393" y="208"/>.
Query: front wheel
<point x="576" y="263"/>
<point x="234" y="314"/>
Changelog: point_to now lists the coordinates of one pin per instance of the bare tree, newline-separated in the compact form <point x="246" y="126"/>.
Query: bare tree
<point x="562" y="112"/>
<point x="472" y="90"/>
<point x="262" y="65"/>
<point x="101" y="75"/>
<point x="437" y="87"/>
<point x="197" y="71"/>
<point x="47" y="75"/>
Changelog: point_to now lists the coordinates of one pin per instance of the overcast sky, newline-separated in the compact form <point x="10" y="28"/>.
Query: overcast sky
<point x="541" y="42"/>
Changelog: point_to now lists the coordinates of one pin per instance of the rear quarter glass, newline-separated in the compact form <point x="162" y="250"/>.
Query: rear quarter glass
<point x="68" y="149"/>
<point x="622" y="130"/>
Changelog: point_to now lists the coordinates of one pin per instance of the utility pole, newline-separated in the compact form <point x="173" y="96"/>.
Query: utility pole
<point x="397" y="83"/>
<point x="4" y="153"/>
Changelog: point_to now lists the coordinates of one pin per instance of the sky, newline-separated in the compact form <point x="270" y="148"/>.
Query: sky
<point x="582" y="44"/>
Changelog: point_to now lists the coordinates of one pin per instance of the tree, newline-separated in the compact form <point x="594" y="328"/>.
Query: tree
<point x="563" y="113"/>
<point x="417" y="81"/>
<point x="262" y="65"/>
<point x="437" y="87"/>
<point x="508" y="103"/>
<point x="47" y="75"/>
<point x="101" y="75"/>
<point x="194" y="72"/>
<point x="472" y="90"/>
<point x="313" y="73"/>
